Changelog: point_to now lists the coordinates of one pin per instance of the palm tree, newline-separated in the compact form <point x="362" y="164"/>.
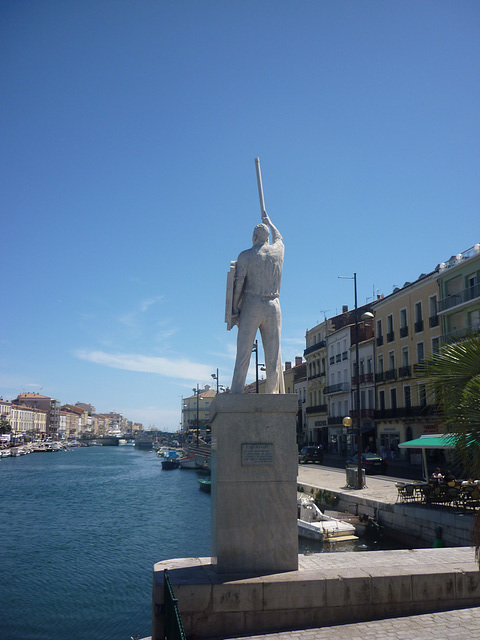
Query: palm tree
<point x="453" y="375"/>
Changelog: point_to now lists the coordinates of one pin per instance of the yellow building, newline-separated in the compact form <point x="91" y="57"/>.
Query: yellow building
<point x="196" y="409"/>
<point x="459" y="306"/>
<point x="316" y="410"/>
<point x="407" y="330"/>
<point x="28" y="421"/>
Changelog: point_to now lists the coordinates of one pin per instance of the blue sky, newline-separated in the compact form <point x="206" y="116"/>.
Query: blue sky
<point x="129" y="133"/>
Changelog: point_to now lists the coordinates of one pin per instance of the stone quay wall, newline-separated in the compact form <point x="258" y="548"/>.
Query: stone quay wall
<point x="327" y="589"/>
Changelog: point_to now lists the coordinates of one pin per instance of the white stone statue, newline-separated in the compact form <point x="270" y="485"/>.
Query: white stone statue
<point x="253" y="303"/>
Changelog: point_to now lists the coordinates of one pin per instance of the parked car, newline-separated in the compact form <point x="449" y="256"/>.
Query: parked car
<point x="310" y="454"/>
<point x="371" y="462"/>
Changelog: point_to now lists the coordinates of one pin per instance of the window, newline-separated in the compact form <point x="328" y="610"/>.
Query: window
<point x="405" y="357"/>
<point x="432" y="305"/>
<point x="472" y="289"/>
<point x="422" y="395"/>
<point x="407" y="396"/>
<point x="391" y="360"/>
<point x="393" y="398"/>
<point x="420" y="352"/>
<point x="418" y="317"/>
<point x="380" y="364"/>
<point x="403" y="323"/>
<point x="379" y="333"/>
<point x="390" y="334"/>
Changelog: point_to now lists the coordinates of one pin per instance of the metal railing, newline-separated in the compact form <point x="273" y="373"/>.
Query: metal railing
<point x="460" y="297"/>
<point x="173" y="627"/>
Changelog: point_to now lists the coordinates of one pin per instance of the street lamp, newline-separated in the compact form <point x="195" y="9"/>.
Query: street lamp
<point x="197" y="392"/>
<point x="358" y="426"/>
<point x="215" y="377"/>
<point x="262" y="366"/>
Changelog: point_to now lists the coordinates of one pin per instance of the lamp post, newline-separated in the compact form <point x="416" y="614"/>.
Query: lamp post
<point x="358" y="426"/>
<point x="262" y="366"/>
<point x="197" y="392"/>
<point x="215" y="377"/>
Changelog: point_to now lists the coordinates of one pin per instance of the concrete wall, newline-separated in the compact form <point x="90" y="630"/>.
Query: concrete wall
<point x="327" y="589"/>
<point x="414" y="524"/>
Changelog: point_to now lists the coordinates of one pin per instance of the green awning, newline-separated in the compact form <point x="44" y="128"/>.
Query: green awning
<point x="437" y="441"/>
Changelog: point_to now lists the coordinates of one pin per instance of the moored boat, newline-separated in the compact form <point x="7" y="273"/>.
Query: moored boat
<point x="170" y="460"/>
<point x="315" y="525"/>
<point x="205" y="484"/>
<point x="187" y="462"/>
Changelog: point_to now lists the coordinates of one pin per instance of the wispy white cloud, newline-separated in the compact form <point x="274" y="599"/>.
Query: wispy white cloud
<point x="148" y="302"/>
<point x="132" y="318"/>
<point x="171" y="368"/>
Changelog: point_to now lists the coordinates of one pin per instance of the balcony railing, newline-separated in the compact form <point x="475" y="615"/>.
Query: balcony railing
<point x="379" y="341"/>
<point x="391" y="336"/>
<point x="403" y="332"/>
<point x="364" y="413"/>
<point x="380" y="377"/>
<point x="422" y="411"/>
<point x="318" y="408"/>
<point x="391" y="374"/>
<point x="459" y="298"/>
<point x="405" y="372"/>
<point x="418" y="326"/>
<point x="335" y="420"/>
<point x="433" y="321"/>
<point x="337" y="388"/>
<point x="363" y="378"/>
<point x="455" y="336"/>
<point x="317" y="375"/>
<point x="314" y="347"/>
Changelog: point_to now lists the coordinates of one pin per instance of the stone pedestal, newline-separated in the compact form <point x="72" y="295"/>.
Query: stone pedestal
<point x="254" y="483"/>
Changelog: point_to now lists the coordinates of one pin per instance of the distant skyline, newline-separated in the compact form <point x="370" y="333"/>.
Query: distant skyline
<point x="128" y="179"/>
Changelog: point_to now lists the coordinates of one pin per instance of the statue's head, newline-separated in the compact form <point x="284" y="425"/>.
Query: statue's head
<point x="260" y="233"/>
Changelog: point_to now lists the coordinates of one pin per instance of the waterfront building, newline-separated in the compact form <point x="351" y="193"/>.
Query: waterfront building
<point x="28" y="421"/>
<point x="315" y="407"/>
<point x="338" y="389"/>
<point x="459" y="304"/>
<point x="50" y="405"/>
<point x="406" y="332"/>
<point x="5" y="408"/>
<point x="329" y="391"/>
<point x="72" y="416"/>
<point x="196" y="409"/>
<point x="295" y="381"/>
<point x="365" y="382"/>
<point x="100" y="424"/>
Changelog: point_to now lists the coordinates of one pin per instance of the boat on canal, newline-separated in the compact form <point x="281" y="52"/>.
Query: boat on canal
<point x="187" y="462"/>
<point x="170" y="460"/>
<point x="205" y="484"/>
<point x="315" y="525"/>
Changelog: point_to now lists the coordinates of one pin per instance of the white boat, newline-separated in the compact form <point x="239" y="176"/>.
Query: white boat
<point x="315" y="525"/>
<point x="187" y="462"/>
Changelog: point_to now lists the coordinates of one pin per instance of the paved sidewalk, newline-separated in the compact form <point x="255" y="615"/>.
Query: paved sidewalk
<point x="379" y="488"/>
<point x="461" y="624"/>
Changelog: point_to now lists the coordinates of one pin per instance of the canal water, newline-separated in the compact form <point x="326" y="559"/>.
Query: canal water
<point x="80" y="532"/>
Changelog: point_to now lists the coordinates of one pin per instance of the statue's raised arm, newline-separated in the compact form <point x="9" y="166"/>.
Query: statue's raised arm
<point x="276" y="235"/>
<point x="255" y="303"/>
